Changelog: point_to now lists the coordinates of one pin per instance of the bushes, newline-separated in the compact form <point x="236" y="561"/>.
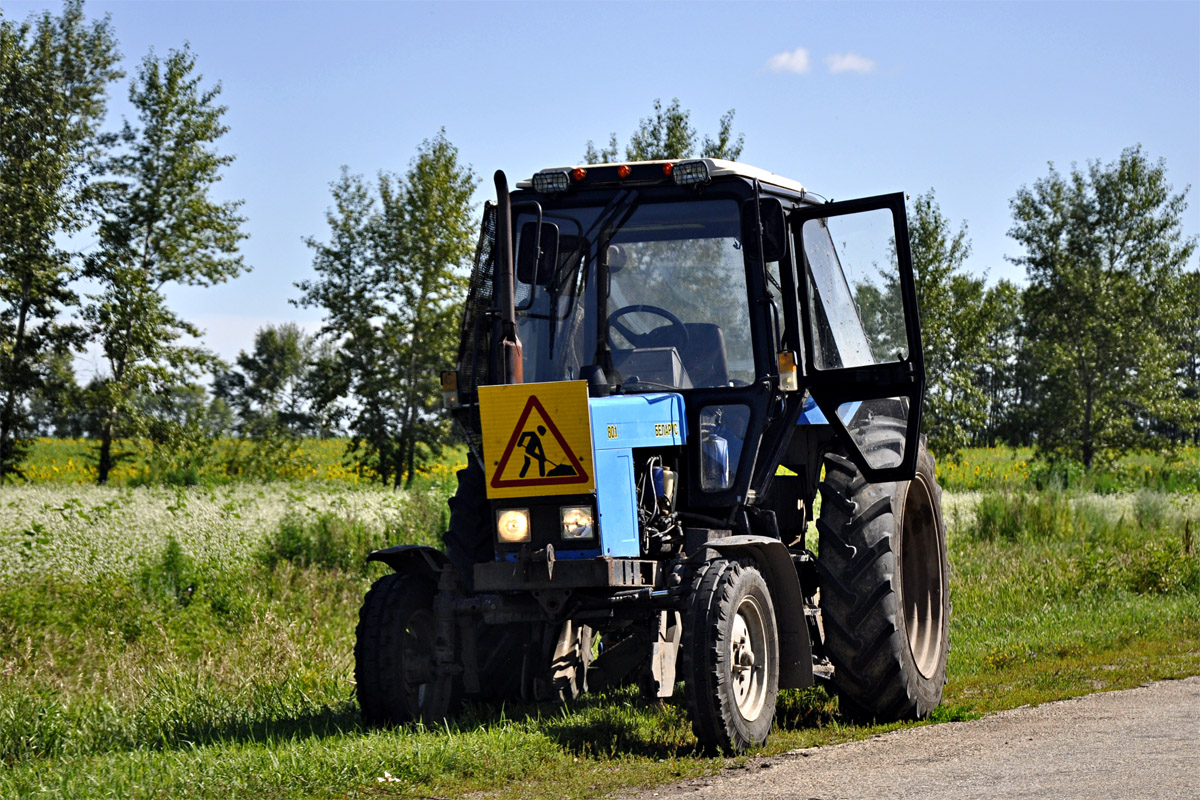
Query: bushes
<point x="333" y="540"/>
<point x="1142" y="546"/>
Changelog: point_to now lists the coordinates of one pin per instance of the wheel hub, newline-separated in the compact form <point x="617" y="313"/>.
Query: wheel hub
<point x="747" y="640"/>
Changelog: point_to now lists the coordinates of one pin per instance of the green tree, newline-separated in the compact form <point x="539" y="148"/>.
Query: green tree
<point x="1002" y="374"/>
<point x="53" y="77"/>
<point x="954" y="327"/>
<point x="161" y="227"/>
<point x="1104" y="253"/>
<point x="55" y="404"/>
<point x="1189" y="354"/>
<point x="391" y="280"/>
<point x="268" y="386"/>
<point x="668" y="134"/>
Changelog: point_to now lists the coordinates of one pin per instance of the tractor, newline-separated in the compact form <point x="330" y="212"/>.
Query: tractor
<point x="668" y="370"/>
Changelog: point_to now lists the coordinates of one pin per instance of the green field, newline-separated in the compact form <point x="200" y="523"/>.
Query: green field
<point x="164" y="642"/>
<point x="215" y="462"/>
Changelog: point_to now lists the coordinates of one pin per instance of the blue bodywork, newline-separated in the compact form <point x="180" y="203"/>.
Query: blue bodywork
<point x="619" y="425"/>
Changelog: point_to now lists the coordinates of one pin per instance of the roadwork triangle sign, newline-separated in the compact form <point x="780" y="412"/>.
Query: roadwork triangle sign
<point x="537" y="439"/>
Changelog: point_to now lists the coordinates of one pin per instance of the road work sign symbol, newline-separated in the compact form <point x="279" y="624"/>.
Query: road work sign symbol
<point x="537" y="439"/>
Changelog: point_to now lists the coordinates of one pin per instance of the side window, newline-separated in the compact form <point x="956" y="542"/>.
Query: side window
<point x="722" y="434"/>
<point x="855" y="290"/>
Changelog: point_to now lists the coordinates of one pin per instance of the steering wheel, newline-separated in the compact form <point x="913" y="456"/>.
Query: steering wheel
<point x="650" y="338"/>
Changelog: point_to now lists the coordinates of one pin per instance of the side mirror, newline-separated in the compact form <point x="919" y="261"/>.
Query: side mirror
<point x="773" y="232"/>
<point x="537" y="253"/>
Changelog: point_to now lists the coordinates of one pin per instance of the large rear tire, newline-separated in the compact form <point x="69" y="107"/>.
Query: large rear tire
<point x="469" y="539"/>
<point x="885" y="595"/>
<point x="731" y="651"/>
<point x="395" y="667"/>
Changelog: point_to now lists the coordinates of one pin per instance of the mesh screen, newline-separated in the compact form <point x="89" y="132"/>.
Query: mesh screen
<point x="475" y="341"/>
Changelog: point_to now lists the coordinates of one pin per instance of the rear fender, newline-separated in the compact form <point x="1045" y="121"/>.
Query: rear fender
<point x="775" y="563"/>
<point x="413" y="559"/>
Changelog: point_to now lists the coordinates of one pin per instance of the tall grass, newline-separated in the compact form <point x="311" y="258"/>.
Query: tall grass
<point x="179" y="670"/>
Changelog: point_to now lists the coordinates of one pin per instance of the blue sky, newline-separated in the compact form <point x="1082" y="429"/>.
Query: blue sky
<point x="852" y="99"/>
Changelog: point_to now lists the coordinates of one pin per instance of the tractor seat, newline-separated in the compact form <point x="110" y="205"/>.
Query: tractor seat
<point x="704" y="359"/>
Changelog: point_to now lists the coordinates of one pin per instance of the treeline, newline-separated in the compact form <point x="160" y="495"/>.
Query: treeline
<point x="142" y="194"/>
<point x="1098" y="353"/>
<point x="389" y="279"/>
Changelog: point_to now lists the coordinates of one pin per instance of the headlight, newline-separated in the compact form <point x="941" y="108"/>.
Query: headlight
<point x="551" y="182"/>
<point x="690" y="173"/>
<point x="578" y="523"/>
<point x="512" y="525"/>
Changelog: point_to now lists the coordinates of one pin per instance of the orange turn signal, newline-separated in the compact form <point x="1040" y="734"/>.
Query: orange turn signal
<point x="789" y="372"/>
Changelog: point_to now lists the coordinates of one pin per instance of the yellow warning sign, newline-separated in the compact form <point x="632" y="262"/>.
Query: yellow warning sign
<point x="537" y="439"/>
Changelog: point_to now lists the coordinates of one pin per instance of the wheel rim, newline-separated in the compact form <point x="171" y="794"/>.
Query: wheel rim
<point x="923" y="583"/>
<point x="748" y="658"/>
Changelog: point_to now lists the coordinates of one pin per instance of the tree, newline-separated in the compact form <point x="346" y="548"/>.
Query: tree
<point x="1189" y="369"/>
<point x="160" y="227"/>
<point x="55" y="405"/>
<point x="426" y="239"/>
<point x="268" y="388"/>
<point x="1104" y="252"/>
<point x="53" y="77"/>
<point x="1003" y="374"/>
<point x="391" y="281"/>
<point x="668" y="134"/>
<point x="954" y="327"/>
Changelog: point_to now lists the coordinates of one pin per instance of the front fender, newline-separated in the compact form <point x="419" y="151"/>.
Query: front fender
<point x="413" y="559"/>
<point x="775" y="563"/>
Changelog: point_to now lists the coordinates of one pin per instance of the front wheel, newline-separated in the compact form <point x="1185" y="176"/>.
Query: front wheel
<point x="731" y="647"/>
<point x="395" y="666"/>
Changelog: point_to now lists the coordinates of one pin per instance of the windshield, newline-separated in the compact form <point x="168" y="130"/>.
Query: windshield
<point x="677" y="314"/>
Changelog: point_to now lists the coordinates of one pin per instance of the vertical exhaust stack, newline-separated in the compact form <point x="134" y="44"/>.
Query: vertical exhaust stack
<point x="511" y="367"/>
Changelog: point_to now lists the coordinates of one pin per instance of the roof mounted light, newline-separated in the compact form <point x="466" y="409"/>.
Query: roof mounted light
<point x="578" y="174"/>
<point x="690" y="173"/>
<point x="551" y="181"/>
<point x="623" y="171"/>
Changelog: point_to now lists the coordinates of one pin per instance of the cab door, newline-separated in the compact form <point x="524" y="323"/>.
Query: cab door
<point x="862" y="333"/>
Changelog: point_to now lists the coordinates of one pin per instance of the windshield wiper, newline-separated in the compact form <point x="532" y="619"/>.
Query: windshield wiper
<point x="620" y="202"/>
<point x="637" y="383"/>
<point x="615" y="219"/>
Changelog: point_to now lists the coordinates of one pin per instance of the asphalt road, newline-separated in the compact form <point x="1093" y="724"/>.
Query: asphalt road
<point x="1140" y="743"/>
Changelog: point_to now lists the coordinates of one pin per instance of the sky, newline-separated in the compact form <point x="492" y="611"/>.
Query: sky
<point x="972" y="100"/>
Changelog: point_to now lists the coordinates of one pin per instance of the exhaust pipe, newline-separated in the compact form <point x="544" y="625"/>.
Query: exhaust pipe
<point x="511" y="365"/>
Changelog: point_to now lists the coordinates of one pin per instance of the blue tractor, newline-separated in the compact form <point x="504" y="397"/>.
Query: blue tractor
<point x="666" y="368"/>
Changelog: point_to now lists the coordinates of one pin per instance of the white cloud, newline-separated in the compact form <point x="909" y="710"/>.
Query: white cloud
<point x="849" y="62"/>
<point x="795" y="61"/>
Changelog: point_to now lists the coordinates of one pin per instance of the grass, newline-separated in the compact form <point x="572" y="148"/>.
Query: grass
<point x="1012" y="469"/>
<point x="210" y="656"/>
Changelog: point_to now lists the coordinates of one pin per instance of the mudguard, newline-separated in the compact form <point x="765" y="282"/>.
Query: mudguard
<point x="775" y="563"/>
<point x="413" y="559"/>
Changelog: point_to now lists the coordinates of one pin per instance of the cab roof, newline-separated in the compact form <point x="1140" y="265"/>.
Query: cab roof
<point x="717" y="167"/>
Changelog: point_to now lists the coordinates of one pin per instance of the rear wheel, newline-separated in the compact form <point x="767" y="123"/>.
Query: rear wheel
<point x="395" y="666"/>
<point x="885" y="599"/>
<point x="731" y="648"/>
